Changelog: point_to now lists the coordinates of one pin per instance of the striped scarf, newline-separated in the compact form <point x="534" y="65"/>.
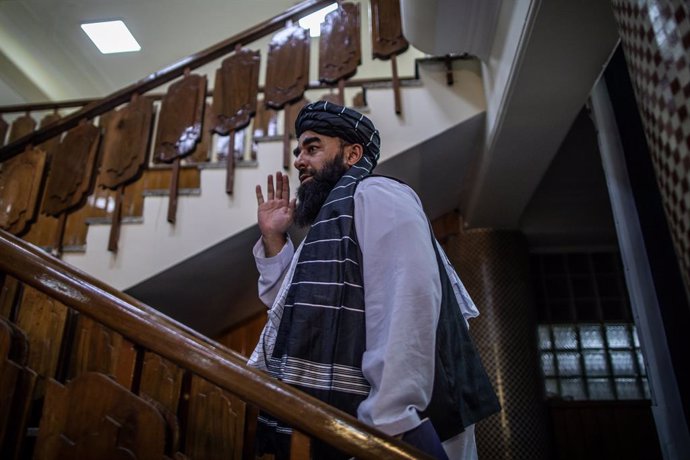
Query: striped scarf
<point x="321" y="337"/>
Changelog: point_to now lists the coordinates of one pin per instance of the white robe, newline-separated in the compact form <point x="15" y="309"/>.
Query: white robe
<point x="402" y="295"/>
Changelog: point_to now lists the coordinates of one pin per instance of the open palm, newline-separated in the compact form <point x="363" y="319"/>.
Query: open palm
<point x="277" y="211"/>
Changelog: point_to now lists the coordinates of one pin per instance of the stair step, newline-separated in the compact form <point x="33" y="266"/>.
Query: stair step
<point x="244" y="164"/>
<point x="107" y="220"/>
<point x="166" y="192"/>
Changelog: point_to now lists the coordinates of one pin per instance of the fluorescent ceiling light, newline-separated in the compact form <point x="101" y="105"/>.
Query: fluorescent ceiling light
<point x="111" y="37"/>
<point x="314" y="20"/>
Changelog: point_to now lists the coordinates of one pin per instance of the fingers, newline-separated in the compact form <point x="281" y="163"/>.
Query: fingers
<point x="279" y="185"/>
<point x="280" y="192"/>
<point x="286" y="187"/>
<point x="259" y="195"/>
<point x="269" y="187"/>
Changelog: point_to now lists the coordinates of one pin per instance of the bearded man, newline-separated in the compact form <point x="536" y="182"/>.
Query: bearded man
<point x="367" y="314"/>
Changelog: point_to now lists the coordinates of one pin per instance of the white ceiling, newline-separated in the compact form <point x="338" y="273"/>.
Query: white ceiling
<point x="45" y="54"/>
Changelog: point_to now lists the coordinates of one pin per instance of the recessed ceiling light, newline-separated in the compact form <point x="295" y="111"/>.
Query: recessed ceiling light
<point x="314" y="20"/>
<point x="111" y="36"/>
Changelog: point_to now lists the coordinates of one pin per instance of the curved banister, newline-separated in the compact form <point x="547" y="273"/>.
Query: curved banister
<point x="73" y="103"/>
<point x="162" y="76"/>
<point x="191" y="350"/>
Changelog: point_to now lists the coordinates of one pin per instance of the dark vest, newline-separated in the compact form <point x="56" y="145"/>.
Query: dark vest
<point x="462" y="393"/>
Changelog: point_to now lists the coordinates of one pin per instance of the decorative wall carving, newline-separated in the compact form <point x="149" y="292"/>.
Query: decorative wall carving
<point x="125" y="143"/>
<point x="180" y="119"/>
<point x="72" y="170"/>
<point x="235" y="91"/>
<point x="340" y="48"/>
<point x="117" y="423"/>
<point x="287" y="69"/>
<point x="20" y="185"/>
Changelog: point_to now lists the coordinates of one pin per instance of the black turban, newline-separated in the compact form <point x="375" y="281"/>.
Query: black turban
<point x="334" y="120"/>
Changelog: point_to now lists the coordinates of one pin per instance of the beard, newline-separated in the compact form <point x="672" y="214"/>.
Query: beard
<point x="312" y="194"/>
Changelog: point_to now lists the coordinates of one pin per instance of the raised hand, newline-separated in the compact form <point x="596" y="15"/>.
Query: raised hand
<point x="276" y="213"/>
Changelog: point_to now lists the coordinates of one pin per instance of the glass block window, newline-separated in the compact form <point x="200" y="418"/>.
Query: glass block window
<point x="588" y="343"/>
<point x="592" y="361"/>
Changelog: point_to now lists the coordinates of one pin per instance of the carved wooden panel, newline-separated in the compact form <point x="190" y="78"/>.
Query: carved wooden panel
<point x="386" y="29"/>
<point x="180" y="119"/>
<point x="126" y="143"/>
<point x="215" y="422"/>
<point x="3" y="130"/>
<point x="161" y="385"/>
<point x="16" y="388"/>
<point x="19" y="345"/>
<point x="291" y="113"/>
<point x="340" y="49"/>
<point x="235" y="91"/>
<point x="161" y="381"/>
<point x="51" y="144"/>
<point x="43" y="320"/>
<point x="21" y="127"/>
<point x="203" y="148"/>
<point x="8" y="294"/>
<point x="9" y="373"/>
<point x="287" y="68"/>
<point x="98" y="349"/>
<point x="72" y="170"/>
<point x="20" y="184"/>
<point x="94" y="417"/>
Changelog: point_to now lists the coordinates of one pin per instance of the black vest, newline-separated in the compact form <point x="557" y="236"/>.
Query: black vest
<point x="462" y="393"/>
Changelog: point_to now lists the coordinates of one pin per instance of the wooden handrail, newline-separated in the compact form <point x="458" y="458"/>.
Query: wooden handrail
<point x="37" y="106"/>
<point x="162" y="76"/>
<point x="191" y="350"/>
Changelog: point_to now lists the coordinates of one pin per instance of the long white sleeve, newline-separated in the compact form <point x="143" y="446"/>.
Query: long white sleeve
<point x="272" y="270"/>
<point x="402" y="298"/>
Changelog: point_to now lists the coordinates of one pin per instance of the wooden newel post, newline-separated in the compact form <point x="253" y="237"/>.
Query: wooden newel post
<point x="114" y="236"/>
<point x="173" y="190"/>
<point x="59" y="236"/>
<point x="230" y="169"/>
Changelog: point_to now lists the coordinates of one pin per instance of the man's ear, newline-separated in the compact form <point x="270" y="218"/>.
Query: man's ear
<point x="353" y="153"/>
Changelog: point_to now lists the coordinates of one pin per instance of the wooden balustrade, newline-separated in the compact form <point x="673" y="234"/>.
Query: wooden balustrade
<point x="165" y="348"/>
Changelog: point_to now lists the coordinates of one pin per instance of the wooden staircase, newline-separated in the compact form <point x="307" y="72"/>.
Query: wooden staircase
<point x="88" y="372"/>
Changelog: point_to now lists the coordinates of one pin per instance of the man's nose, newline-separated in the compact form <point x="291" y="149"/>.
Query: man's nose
<point x="299" y="161"/>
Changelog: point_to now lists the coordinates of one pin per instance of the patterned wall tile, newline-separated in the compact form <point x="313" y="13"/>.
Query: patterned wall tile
<point x="656" y="41"/>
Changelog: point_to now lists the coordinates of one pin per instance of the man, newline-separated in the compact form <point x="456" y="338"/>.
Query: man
<point x="367" y="314"/>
